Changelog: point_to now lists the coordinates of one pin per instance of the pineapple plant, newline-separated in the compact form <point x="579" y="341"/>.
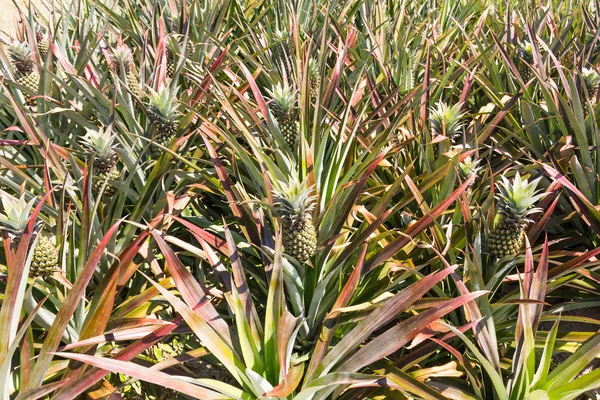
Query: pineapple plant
<point x="25" y="74"/>
<point x="315" y="79"/>
<point x="446" y="121"/>
<point x="14" y="220"/>
<point x="101" y="146"/>
<point x="283" y="106"/>
<point x="524" y="60"/>
<point x="163" y="115"/>
<point x="591" y="80"/>
<point x="516" y="202"/>
<point x="294" y="205"/>
<point x="122" y="57"/>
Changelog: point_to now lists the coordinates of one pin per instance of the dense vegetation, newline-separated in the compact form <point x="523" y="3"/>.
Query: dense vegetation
<point x="300" y="199"/>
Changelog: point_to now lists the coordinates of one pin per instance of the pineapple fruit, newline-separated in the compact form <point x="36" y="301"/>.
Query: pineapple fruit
<point x="315" y="79"/>
<point x="516" y="202"/>
<point x="162" y="113"/>
<point x="173" y="49"/>
<point x="25" y="74"/>
<point x="524" y="60"/>
<point x="101" y="145"/>
<point x="122" y="57"/>
<point x="283" y="106"/>
<point x="446" y="121"/>
<point x="43" y="44"/>
<point x="14" y="220"/>
<point x="591" y="80"/>
<point x="467" y="168"/>
<point x="294" y="205"/>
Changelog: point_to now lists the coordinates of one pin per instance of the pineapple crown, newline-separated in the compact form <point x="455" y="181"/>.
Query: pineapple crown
<point x="446" y="120"/>
<point x="39" y="31"/>
<point x="283" y="95"/>
<point x="294" y="202"/>
<point x="162" y="103"/>
<point x="100" y="142"/>
<point x="591" y="78"/>
<point x="282" y="35"/>
<point x="21" y="56"/>
<point x="517" y="198"/>
<point x="469" y="167"/>
<point x="122" y="55"/>
<point x="16" y="213"/>
<point x="526" y="47"/>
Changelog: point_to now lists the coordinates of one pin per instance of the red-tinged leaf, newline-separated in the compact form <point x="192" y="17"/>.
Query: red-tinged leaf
<point x="285" y="330"/>
<point x="116" y="336"/>
<point x="330" y="322"/>
<point x="425" y="95"/>
<point x="429" y="331"/>
<point x="590" y="214"/>
<point x="80" y="384"/>
<point x="41" y="391"/>
<point x="103" y="301"/>
<point x="407" y="382"/>
<point x="347" y="206"/>
<point x="116" y="324"/>
<point x="505" y="110"/>
<point x="147" y="375"/>
<point x="397" y="244"/>
<point x="378" y="318"/>
<point x="255" y="90"/>
<point x="205" y="84"/>
<point x="394" y="338"/>
<point x="7" y="360"/>
<point x="242" y="288"/>
<point x="538" y="288"/>
<point x="10" y="310"/>
<point x="540" y="224"/>
<point x="62" y="60"/>
<point x="216" y="263"/>
<point x="289" y="384"/>
<point x="485" y="338"/>
<point x="572" y="264"/>
<point x="191" y="291"/>
<point x="136" y="301"/>
<point x="209" y="338"/>
<point x="67" y="309"/>
<point x="428" y="348"/>
<point x="225" y="181"/>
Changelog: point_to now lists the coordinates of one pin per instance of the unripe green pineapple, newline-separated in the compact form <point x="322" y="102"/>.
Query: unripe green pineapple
<point x="173" y="49"/>
<point x="516" y="202"/>
<point x="45" y="258"/>
<point x="525" y="59"/>
<point x="43" y="44"/>
<point x="591" y="80"/>
<point x="285" y="111"/>
<point x="122" y="57"/>
<point x="294" y="205"/>
<point x="101" y="146"/>
<point x="315" y="79"/>
<point x="14" y="220"/>
<point x="446" y="121"/>
<point x="25" y="75"/>
<point x="163" y="115"/>
<point x="285" y="51"/>
<point x="466" y="169"/>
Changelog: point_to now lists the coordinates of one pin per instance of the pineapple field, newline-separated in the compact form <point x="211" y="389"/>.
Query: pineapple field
<point x="309" y="200"/>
